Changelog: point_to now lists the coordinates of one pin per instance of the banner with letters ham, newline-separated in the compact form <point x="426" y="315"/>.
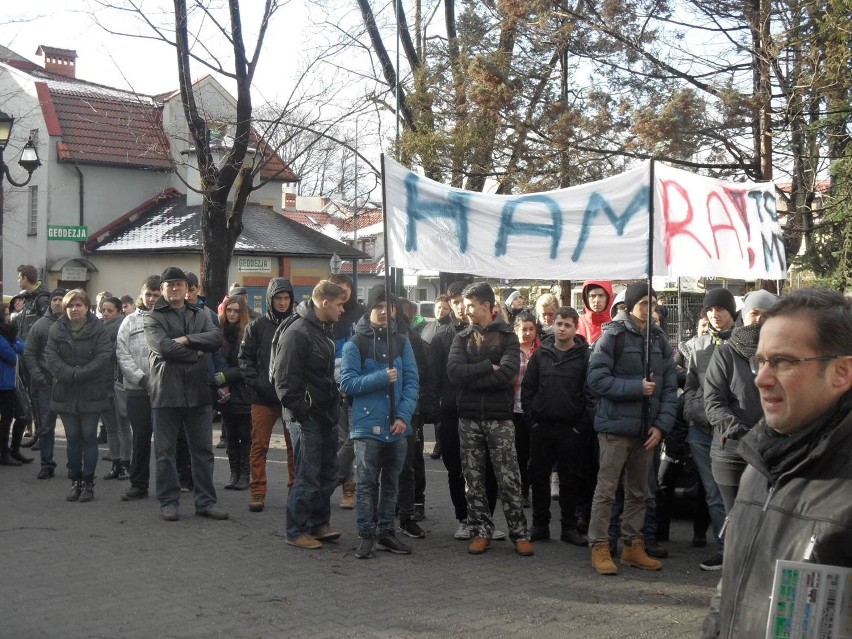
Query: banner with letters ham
<point x="702" y="227"/>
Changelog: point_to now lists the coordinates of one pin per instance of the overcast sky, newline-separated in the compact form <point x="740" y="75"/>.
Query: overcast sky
<point x="146" y="66"/>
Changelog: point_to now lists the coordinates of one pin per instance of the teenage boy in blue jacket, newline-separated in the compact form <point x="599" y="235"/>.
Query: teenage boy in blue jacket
<point x="378" y="428"/>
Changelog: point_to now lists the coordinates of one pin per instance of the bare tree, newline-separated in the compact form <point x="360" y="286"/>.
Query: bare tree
<point x="225" y="185"/>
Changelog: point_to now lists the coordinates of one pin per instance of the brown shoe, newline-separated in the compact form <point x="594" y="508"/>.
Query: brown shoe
<point x="602" y="560"/>
<point x="524" y="548"/>
<point x="479" y="545"/>
<point x="326" y="533"/>
<point x="634" y="555"/>
<point x="307" y="542"/>
<point x="256" y="502"/>
<point x="348" y="501"/>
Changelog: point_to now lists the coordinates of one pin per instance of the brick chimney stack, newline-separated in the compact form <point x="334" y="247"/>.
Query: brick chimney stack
<point x="59" y="61"/>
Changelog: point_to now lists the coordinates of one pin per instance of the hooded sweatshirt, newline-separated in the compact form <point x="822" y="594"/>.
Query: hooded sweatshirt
<point x="256" y="346"/>
<point x="591" y="323"/>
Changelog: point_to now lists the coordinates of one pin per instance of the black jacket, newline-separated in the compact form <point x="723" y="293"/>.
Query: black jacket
<point x="303" y="368"/>
<point x="36" y="305"/>
<point x="481" y="391"/>
<point x="554" y="386"/>
<point x="439" y="335"/>
<point x="81" y="366"/>
<point x="257" y="346"/>
<point x="178" y="376"/>
<point x="796" y="507"/>
<point x="427" y="400"/>
<point x="731" y="399"/>
<point x="37" y="367"/>
<point x="111" y="327"/>
<point x="239" y="402"/>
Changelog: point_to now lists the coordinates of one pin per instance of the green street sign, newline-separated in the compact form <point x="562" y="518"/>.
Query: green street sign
<point x="68" y="233"/>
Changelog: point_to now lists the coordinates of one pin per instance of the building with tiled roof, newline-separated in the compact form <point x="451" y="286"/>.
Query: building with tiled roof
<point x="104" y="152"/>
<point x="362" y="228"/>
<point x="166" y="230"/>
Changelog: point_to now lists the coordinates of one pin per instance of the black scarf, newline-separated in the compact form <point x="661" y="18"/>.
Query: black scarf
<point x="779" y="453"/>
<point x="744" y="340"/>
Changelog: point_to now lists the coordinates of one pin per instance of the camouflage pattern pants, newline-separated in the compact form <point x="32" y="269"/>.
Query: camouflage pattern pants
<point x="497" y="437"/>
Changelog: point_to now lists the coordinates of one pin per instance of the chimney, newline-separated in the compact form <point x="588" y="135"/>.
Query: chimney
<point x="59" y="61"/>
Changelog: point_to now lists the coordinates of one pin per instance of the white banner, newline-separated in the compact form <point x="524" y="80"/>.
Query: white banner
<point x="702" y="227"/>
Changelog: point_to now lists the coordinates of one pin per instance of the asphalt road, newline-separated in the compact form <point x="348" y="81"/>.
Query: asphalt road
<point x="111" y="569"/>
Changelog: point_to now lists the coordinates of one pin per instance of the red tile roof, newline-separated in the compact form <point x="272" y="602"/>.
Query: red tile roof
<point x="101" y="129"/>
<point x="320" y="219"/>
<point x="317" y="220"/>
<point x="365" y="219"/>
<point x="364" y="267"/>
<point x="103" y="125"/>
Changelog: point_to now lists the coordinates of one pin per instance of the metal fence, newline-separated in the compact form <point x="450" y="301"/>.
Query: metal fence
<point x="682" y="316"/>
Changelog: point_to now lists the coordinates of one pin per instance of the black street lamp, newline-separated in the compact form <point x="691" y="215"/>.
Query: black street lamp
<point x="28" y="161"/>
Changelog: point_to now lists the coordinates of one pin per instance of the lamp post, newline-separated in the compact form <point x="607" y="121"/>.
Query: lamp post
<point x="28" y="161"/>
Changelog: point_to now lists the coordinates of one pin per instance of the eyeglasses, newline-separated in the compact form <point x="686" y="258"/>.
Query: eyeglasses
<point x="780" y="364"/>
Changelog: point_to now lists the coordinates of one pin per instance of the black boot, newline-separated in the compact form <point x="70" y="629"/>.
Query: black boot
<point x="125" y="469"/>
<point x="234" y="464"/>
<point x="88" y="491"/>
<point x="76" y="489"/>
<point x="245" y="470"/>
<point x="115" y="470"/>
<point x="7" y="460"/>
<point x="14" y="447"/>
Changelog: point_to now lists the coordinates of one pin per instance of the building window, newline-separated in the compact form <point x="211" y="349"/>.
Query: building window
<point x="32" y="216"/>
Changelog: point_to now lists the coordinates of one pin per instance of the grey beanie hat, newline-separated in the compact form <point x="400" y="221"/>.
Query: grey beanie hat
<point x="758" y="299"/>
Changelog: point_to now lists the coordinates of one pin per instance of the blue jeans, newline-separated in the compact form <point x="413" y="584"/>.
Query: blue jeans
<point x="81" y="431"/>
<point x="46" y="424"/>
<point x="699" y="445"/>
<point x="377" y="465"/>
<point x="198" y="425"/>
<point x="315" y="452"/>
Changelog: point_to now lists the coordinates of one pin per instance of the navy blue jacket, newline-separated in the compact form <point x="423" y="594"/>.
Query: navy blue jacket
<point x="618" y="384"/>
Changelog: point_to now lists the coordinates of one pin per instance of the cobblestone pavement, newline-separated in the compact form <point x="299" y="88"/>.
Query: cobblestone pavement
<point x="114" y="569"/>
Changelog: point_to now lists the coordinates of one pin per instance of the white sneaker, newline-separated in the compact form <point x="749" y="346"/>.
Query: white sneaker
<point x="498" y="535"/>
<point x="463" y="532"/>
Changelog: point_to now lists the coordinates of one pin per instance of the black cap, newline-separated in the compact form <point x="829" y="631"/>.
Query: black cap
<point x="376" y="296"/>
<point x="173" y="273"/>
<point x="58" y="292"/>
<point x="722" y="298"/>
<point x="634" y="293"/>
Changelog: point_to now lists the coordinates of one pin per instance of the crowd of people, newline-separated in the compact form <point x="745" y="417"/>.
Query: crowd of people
<point x="532" y="402"/>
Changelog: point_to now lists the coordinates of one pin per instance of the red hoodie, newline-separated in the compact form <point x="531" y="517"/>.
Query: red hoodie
<point x="590" y="323"/>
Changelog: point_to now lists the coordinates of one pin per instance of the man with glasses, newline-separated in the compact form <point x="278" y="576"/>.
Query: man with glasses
<point x="793" y="502"/>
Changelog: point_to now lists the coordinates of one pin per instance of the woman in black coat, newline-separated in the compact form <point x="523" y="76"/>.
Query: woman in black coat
<point x="79" y="354"/>
<point x="236" y="411"/>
